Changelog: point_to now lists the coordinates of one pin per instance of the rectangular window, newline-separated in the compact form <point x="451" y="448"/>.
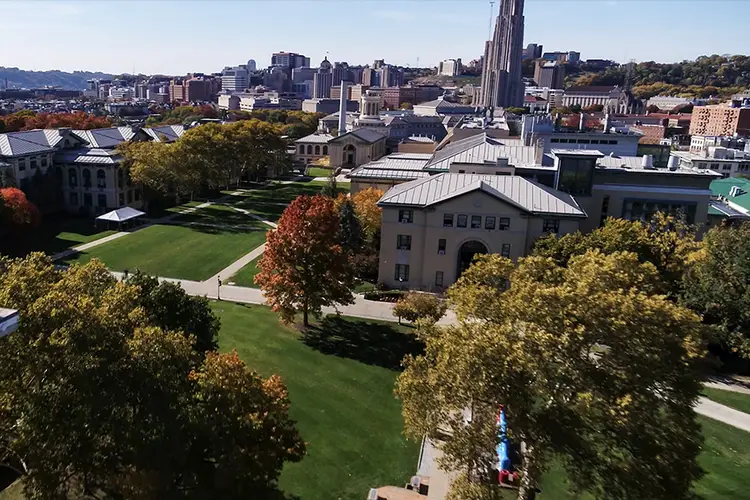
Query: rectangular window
<point x="476" y="221"/>
<point x="32" y="163"/>
<point x="461" y="220"/>
<point x="101" y="200"/>
<point x="74" y="199"/>
<point x="503" y="223"/>
<point x="441" y="246"/>
<point x="489" y="222"/>
<point x="44" y="161"/>
<point x="726" y="167"/>
<point x="21" y="164"/>
<point x="447" y="220"/>
<point x="403" y="242"/>
<point x="438" y="278"/>
<point x="505" y="250"/>
<point x="87" y="200"/>
<point x="644" y="210"/>
<point x="406" y="216"/>
<point x="551" y="226"/>
<point x="402" y="272"/>
<point x="554" y="141"/>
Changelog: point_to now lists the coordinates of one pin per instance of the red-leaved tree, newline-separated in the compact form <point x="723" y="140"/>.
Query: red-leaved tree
<point x="16" y="211"/>
<point x="303" y="267"/>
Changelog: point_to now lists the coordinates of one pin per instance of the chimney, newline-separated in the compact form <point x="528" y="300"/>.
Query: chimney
<point x="342" y="109"/>
<point x="607" y="123"/>
<point x="582" y="123"/>
<point x="647" y="162"/>
<point x="674" y="163"/>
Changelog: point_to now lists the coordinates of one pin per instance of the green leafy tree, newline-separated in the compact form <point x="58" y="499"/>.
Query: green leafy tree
<point x="593" y="369"/>
<point x="98" y="403"/>
<point x="329" y="189"/>
<point x="350" y="230"/>
<point x="718" y="287"/>
<point x="419" y="307"/>
<point x="666" y="241"/>
<point x="303" y="267"/>
<point x="169" y="307"/>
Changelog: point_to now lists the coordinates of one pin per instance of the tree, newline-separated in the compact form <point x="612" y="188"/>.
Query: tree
<point x="594" y="108"/>
<point x="517" y="110"/>
<point x="406" y="105"/>
<point x="718" y="287"/>
<point x="18" y="212"/>
<point x="169" y="307"/>
<point x="350" y="231"/>
<point x="592" y="369"/>
<point x="653" y="108"/>
<point x="303" y="267"/>
<point x="367" y="210"/>
<point x="98" y="403"/>
<point x="329" y="189"/>
<point x="666" y="241"/>
<point x="420" y="307"/>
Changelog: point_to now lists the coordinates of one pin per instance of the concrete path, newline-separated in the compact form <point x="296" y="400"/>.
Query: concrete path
<point x="86" y="246"/>
<point x="716" y="411"/>
<point x="727" y="384"/>
<point x="257" y="217"/>
<point x="235" y="266"/>
<point x="339" y="179"/>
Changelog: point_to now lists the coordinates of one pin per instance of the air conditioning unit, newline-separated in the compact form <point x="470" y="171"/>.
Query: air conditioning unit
<point x="373" y="494"/>
<point x="441" y="252"/>
<point x="404" y="221"/>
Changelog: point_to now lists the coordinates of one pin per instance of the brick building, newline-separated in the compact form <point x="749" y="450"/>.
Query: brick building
<point x="720" y="120"/>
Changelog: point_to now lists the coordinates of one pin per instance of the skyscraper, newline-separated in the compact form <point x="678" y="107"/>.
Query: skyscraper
<point x="502" y="84"/>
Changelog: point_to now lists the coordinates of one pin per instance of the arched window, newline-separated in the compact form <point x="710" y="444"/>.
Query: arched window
<point x="86" y="175"/>
<point x="101" y="178"/>
<point x="302" y="149"/>
<point x="325" y="150"/>
<point x="72" y="177"/>
<point x="309" y="149"/>
<point x="317" y="149"/>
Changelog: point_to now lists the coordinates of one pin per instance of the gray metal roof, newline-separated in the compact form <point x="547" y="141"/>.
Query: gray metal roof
<point x="29" y="142"/>
<point x="89" y="155"/>
<point x="418" y="138"/>
<point x="106" y="137"/>
<point x="517" y="191"/>
<point x="480" y="149"/>
<point x="387" y="173"/>
<point x="718" y="207"/>
<point x="315" y="139"/>
<point x="635" y="164"/>
<point x="166" y="133"/>
<point x="365" y="134"/>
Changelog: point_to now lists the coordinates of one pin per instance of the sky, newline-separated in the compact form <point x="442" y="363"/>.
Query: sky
<point x="176" y="37"/>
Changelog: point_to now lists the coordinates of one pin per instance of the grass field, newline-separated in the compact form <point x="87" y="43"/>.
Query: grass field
<point x="283" y="193"/>
<point x="318" y="172"/>
<point x="55" y="234"/>
<point x="219" y="214"/>
<point x="345" y="407"/>
<point x="736" y="400"/>
<point x="193" y="253"/>
<point x="244" y="277"/>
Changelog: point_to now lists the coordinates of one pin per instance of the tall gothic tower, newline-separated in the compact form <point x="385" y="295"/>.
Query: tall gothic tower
<point x="502" y="83"/>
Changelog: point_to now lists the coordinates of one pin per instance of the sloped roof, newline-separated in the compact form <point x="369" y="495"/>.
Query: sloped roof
<point x="166" y="133"/>
<point x="591" y="89"/>
<point x="29" y="142"/>
<point x="315" y="139"/>
<point x="121" y="214"/>
<point x="481" y="148"/>
<point x="106" y="137"/>
<point x="517" y="191"/>
<point x="365" y="134"/>
<point x="90" y="155"/>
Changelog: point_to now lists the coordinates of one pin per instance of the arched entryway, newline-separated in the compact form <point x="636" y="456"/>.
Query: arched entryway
<point x="466" y="255"/>
<point x="350" y="155"/>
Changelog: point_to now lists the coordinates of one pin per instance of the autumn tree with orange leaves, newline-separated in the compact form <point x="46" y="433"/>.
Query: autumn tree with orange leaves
<point x="25" y="120"/>
<point x="16" y="211"/>
<point x="304" y="267"/>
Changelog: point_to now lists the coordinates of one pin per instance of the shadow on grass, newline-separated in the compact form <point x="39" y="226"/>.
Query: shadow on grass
<point x="371" y="343"/>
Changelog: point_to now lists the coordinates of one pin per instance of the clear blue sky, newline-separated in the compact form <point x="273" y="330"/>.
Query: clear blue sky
<point x="175" y="37"/>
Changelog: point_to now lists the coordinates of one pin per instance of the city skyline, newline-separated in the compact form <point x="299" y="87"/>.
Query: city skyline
<point x="204" y="37"/>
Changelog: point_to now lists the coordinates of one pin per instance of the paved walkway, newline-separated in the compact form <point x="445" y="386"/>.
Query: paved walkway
<point x="86" y="246"/>
<point x="716" y="411"/>
<point x="235" y="266"/>
<point x="728" y="384"/>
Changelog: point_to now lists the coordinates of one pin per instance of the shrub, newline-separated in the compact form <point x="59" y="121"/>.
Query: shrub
<point x="384" y="295"/>
<point x="415" y="306"/>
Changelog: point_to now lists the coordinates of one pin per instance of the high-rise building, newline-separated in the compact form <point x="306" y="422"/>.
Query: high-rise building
<point x="533" y="51"/>
<point x="251" y="66"/>
<point x="502" y="83"/>
<point x="449" y="67"/>
<point x="368" y="76"/>
<point x="289" y="60"/>
<point x="340" y="73"/>
<point x="549" y="74"/>
<point x="323" y="80"/>
<point x="234" y="79"/>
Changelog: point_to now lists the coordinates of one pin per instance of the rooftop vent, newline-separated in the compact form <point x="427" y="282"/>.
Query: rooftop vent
<point x="674" y="163"/>
<point x="736" y="191"/>
<point x="647" y="162"/>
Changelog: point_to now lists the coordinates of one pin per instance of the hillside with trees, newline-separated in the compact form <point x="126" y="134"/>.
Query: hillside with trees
<point x="715" y="75"/>
<point x="21" y="78"/>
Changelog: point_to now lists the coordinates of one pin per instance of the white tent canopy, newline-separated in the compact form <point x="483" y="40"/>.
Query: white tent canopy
<point x="121" y="214"/>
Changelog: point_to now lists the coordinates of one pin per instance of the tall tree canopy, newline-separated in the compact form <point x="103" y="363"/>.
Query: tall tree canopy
<point x="16" y="211"/>
<point x="665" y="241"/>
<point x="96" y="402"/>
<point x="367" y="210"/>
<point x="304" y="267"/>
<point x="592" y="368"/>
<point x="718" y="286"/>
<point x="29" y="120"/>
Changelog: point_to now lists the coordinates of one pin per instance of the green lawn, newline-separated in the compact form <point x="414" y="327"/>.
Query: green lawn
<point x="342" y="400"/>
<point x="244" y="277"/>
<point x="736" y="400"/>
<point x="219" y="214"/>
<point x="193" y="253"/>
<point x="318" y="172"/>
<point x="282" y="193"/>
<point x="56" y="233"/>
<point x="726" y="459"/>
